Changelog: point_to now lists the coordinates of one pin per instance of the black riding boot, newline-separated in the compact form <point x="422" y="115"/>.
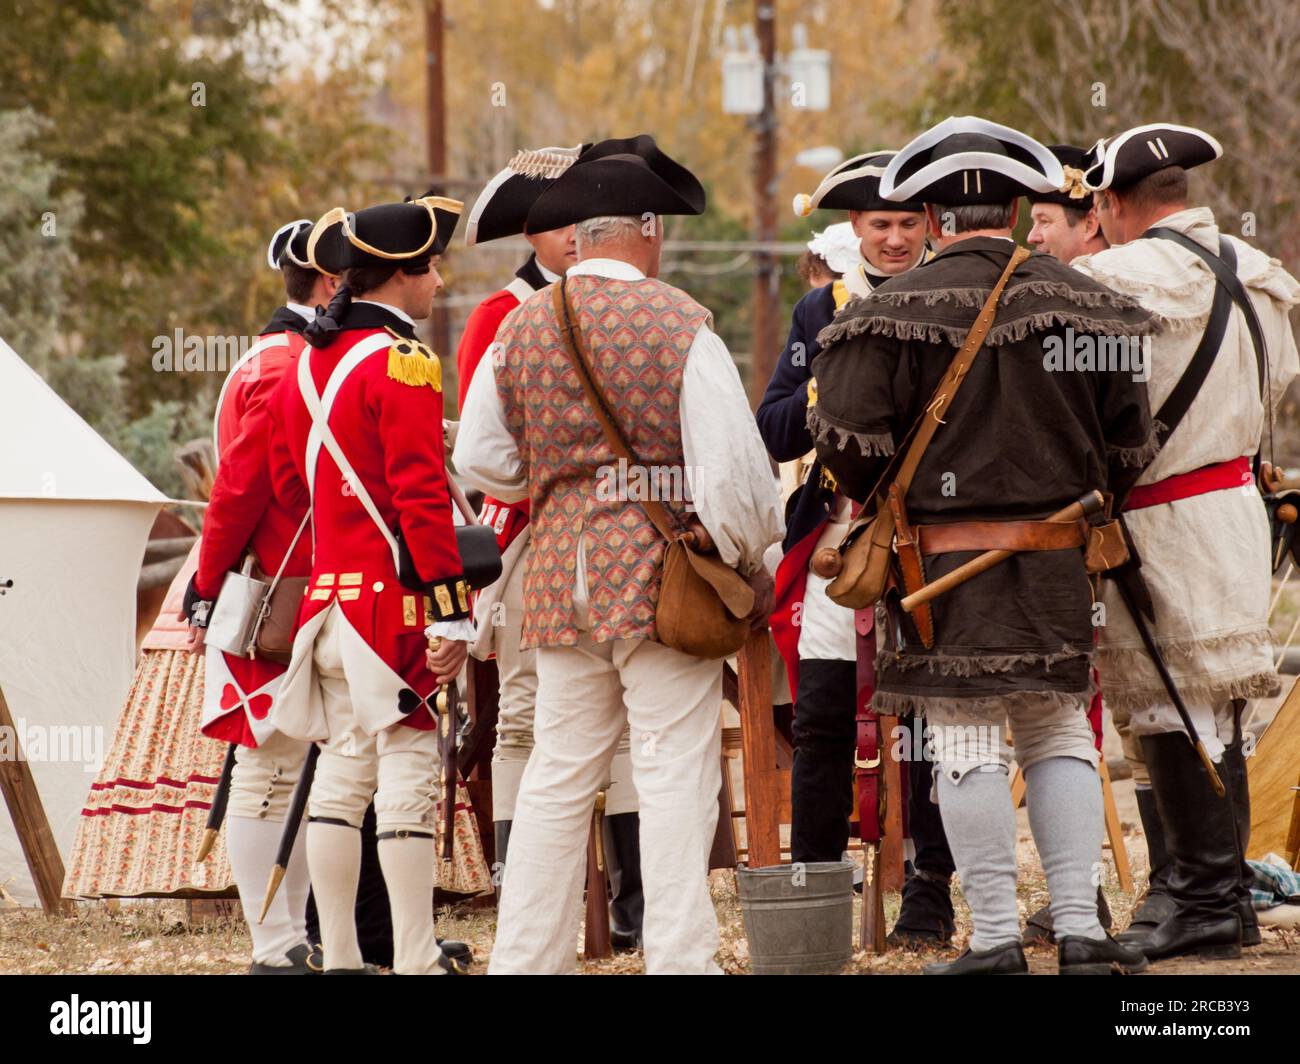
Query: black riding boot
<point x="825" y="736"/>
<point x="1041" y="931"/>
<point x="1156" y="906"/>
<point x="501" y="843"/>
<point x="1205" y="872"/>
<point x="1233" y="771"/>
<point x="622" y="837"/>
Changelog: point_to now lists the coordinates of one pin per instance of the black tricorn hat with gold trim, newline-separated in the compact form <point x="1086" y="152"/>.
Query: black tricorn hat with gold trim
<point x="620" y="177"/>
<point x="1074" y="193"/>
<point x="391" y="234"/>
<point x="854" y="185"/>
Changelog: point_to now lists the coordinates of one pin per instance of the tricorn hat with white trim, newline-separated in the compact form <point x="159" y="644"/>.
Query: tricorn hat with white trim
<point x="966" y="160"/>
<point x="619" y="177"/>
<point x="391" y="234"/>
<point x="854" y="185"/>
<point x="502" y="207"/>
<point x="289" y="245"/>
<point x="1127" y="158"/>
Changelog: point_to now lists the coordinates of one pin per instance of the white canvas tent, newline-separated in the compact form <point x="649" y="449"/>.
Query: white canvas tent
<point x="74" y="519"/>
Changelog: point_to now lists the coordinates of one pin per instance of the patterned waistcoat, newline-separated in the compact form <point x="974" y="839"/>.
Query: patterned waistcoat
<point x="638" y="335"/>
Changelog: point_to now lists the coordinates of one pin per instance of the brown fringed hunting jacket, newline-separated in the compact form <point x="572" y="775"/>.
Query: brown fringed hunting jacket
<point x="1037" y="423"/>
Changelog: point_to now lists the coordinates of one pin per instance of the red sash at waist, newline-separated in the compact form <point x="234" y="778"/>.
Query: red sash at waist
<point x="1231" y="474"/>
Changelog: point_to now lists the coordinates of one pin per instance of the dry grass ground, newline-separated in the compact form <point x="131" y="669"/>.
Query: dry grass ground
<point x="152" y="937"/>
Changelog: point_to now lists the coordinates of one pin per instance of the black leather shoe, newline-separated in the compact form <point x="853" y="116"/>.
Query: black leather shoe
<point x="1205" y="860"/>
<point x="1041" y="931"/>
<point x="1008" y="959"/>
<point x="1097" y="956"/>
<point x="452" y="966"/>
<point x="925" y="919"/>
<point x="501" y="839"/>
<point x="1155" y="907"/>
<point x="298" y="964"/>
<point x="459" y="950"/>
<point x="365" y="969"/>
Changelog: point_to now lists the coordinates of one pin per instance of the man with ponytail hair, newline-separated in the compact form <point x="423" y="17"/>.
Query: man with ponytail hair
<point x="357" y="436"/>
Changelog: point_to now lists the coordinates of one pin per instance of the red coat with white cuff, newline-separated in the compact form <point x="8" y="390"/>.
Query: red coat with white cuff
<point x="244" y="515"/>
<point x="385" y="410"/>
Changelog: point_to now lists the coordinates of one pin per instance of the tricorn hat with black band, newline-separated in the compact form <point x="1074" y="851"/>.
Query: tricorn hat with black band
<point x="1074" y="192"/>
<point x="391" y="234"/>
<point x="854" y="185"/>
<point x="1127" y="158"/>
<point x="289" y="245"/>
<point x="620" y="177"/>
<point x="964" y="161"/>
<point x="502" y="207"/>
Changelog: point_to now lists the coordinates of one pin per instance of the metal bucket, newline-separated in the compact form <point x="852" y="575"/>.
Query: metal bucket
<point x="798" y="918"/>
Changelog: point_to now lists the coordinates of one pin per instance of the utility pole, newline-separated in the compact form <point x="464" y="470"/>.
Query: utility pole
<point x="766" y="336"/>
<point x="435" y="112"/>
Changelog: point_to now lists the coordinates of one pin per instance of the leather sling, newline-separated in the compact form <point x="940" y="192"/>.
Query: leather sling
<point x="868" y="545"/>
<point x="703" y="603"/>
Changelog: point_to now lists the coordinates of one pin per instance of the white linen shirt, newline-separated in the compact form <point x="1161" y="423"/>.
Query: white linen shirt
<point x="729" y="477"/>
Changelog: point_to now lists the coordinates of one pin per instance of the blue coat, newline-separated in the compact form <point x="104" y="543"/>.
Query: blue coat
<point x="782" y="413"/>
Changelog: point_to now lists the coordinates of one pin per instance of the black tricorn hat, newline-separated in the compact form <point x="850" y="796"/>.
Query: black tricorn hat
<point x="289" y="245"/>
<point x="854" y="185"/>
<point x="1127" y="158"/>
<point x="391" y="234"/>
<point x="626" y="176"/>
<point x="967" y="160"/>
<point x="502" y="207"/>
<point x="1074" y="193"/>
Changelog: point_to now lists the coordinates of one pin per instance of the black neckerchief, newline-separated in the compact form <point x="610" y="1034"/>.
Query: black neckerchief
<point x="284" y="320"/>
<point x="532" y="274"/>
<point x="371" y="316"/>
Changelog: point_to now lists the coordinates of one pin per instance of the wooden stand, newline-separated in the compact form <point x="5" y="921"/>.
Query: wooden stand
<point x="596" y="941"/>
<point x="24" y="802"/>
<point x="758" y="747"/>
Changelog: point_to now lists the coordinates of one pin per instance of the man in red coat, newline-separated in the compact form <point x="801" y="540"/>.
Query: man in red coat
<point x="501" y="211"/>
<point x="356" y="431"/>
<point x="244" y="518"/>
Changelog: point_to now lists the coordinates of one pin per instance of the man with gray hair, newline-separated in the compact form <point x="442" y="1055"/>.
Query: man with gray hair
<point x="591" y="586"/>
<point x="1218" y="369"/>
<point x="991" y="444"/>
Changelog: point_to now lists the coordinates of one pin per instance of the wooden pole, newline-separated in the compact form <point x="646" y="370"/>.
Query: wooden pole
<point x="765" y="334"/>
<point x="758" y="748"/>
<point x="24" y="802"/>
<point x="435" y="112"/>
<point x="596" y="938"/>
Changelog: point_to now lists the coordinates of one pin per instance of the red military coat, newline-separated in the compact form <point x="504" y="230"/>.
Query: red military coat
<point x="507" y="519"/>
<point x="385" y="410"/>
<point x="243" y="514"/>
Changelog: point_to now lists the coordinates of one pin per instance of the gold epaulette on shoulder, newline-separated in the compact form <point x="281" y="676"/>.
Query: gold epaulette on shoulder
<point x="411" y="362"/>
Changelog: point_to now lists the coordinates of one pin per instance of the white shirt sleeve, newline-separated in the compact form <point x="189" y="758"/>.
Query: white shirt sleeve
<point x="486" y="454"/>
<point x="736" y="495"/>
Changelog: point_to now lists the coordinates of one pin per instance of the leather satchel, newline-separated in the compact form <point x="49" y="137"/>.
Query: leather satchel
<point x="867" y="550"/>
<point x="703" y="603"/>
<point x="277" y="620"/>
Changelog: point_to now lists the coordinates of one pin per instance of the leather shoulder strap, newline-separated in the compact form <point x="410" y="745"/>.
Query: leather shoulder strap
<point x="575" y="347"/>
<point x="1224" y="268"/>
